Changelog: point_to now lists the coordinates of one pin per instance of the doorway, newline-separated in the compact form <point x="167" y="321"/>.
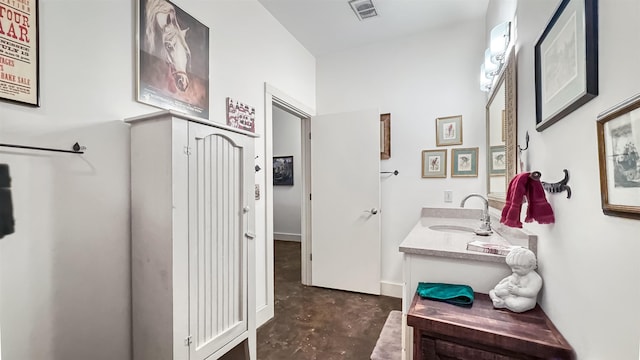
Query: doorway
<point x="276" y="98"/>
<point x="287" y="184"/>
<point x="340" y="172"/>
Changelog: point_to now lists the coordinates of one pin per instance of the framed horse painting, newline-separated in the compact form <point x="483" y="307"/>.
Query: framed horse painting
<point x="173" y="59"/>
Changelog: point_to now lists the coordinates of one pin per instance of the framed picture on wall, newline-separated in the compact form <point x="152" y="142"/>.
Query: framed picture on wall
<point x="497" y="160"/>
<point x="283" y="170"/>
<point x="449" y="130"/>
<point x="240" y="115"/>
<point x="19" y="53"/>
<point x="464" y="162"/>
<point x="619" y="158"/>
<point x="566" y="61"/>
<point x="172" y="59"/>
<point x="434" y="163"/>
<point x="385" y="136"/>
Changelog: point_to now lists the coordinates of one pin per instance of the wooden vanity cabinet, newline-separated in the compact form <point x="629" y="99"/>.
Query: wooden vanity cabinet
<point x="445" y="332"/>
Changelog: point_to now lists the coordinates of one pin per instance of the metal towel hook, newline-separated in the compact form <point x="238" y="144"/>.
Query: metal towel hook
<point x="556" y="187"/>
<point x="526" y="142"/>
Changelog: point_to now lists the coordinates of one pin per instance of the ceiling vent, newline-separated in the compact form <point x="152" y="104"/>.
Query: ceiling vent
<point x="364" y="9"/>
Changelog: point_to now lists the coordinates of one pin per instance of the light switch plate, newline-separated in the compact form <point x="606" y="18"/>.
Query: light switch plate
<point x="448" y="196"/>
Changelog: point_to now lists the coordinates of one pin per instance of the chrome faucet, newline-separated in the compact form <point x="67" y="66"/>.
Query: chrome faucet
<point x="485" y="226"/>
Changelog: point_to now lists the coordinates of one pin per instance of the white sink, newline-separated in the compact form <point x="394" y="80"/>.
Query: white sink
<point x="456" y="229"/>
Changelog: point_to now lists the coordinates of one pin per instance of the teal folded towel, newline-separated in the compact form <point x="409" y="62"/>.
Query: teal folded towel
<point x="461" y="295"/>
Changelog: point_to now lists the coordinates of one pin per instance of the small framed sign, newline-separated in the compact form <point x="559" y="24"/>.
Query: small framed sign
<point x="241" y="116"/>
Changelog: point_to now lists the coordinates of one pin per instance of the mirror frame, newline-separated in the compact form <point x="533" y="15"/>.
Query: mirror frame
<point x="508" y="77"/>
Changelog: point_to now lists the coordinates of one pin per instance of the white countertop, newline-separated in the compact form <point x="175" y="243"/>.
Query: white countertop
<point x="423" y="240"/>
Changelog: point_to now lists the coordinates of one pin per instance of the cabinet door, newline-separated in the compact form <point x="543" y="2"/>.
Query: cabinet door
<point x="218" y="253"/>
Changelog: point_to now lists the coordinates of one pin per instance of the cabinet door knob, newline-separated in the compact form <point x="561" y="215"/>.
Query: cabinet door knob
<point x="250" y="236"/>
<point x="245" y="209"/>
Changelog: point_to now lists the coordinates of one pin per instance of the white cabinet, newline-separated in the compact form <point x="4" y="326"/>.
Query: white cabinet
<point x="192" y="224"/>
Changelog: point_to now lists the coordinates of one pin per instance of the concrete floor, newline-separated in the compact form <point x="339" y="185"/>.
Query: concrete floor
<point x="319" y="324"/>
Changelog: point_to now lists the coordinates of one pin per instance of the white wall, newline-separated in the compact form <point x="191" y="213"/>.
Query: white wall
<point x="416" y="79"/>
<point x="588" y="260"/>
<point x="287" y="200"/>
<point x="65" y="273"/>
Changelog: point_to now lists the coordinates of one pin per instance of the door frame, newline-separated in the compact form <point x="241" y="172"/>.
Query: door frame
<point x="273" y="96"/>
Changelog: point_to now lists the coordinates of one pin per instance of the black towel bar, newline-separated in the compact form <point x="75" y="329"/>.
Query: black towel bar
<point x="394" y="172"/>
<point x="76" y="148"/>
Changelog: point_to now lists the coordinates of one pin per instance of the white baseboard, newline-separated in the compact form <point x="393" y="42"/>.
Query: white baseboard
<point x="287" y="237"/>
<point x="391" y="289"/>
<point x="264" y="314"/>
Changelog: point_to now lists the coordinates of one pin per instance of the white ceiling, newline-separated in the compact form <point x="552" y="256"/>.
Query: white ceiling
<point x="327" y="26"/>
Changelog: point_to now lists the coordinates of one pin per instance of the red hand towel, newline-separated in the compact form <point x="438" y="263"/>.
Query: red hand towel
<point x="538" y="209"/>
<point x="515" y="197"/>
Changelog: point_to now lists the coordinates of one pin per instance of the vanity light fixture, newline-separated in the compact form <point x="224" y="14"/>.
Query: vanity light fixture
<point x="485" y="81"/>
<point x="490" y="67"/>
<point x="500" y="37"/>
<point x="494" y="55"/>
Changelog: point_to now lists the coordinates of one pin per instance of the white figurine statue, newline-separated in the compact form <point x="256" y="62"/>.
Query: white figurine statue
<point x="519" y="291"/>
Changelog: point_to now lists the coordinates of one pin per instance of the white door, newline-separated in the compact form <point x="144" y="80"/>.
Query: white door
<point x="345" y="202"/>
<point x="218" y="255"/>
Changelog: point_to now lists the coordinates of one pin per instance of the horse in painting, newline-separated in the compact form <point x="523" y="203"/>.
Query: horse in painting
<point x="165" y="39"/>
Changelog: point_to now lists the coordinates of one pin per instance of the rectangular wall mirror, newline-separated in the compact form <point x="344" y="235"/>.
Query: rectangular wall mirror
<point x="501" y="113"/>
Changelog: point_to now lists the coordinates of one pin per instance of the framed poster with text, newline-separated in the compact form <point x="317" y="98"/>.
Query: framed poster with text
<point x="19" y="72"/>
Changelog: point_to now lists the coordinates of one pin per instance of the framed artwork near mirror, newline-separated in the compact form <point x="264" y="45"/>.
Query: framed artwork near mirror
<point x="566" y="61"/>
<point x="434" y="163"/>
<point x="497" y="160"/>
<point x="464" y="162"/>
<point x="619" y="158"/>
<point x="449" y="130"/>
<point x="385" y="136"/>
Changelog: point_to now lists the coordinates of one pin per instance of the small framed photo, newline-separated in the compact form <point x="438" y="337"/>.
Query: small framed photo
<point x="449" y="130"/>
<point x="464" y="162"/>
<point x="566" y="61"/>
<point x="283" y="170"/>
<point x="385" y="136"/>
<point x="618" y="142"/>
<point x="434" y="163"/>
<point x="497" y="160"/>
